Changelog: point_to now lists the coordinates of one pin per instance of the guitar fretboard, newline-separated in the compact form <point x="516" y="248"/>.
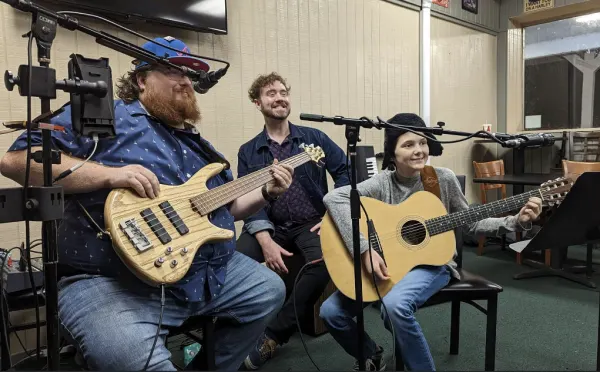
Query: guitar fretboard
<point x="224" y="194"/>
<point x="449" y="222"/>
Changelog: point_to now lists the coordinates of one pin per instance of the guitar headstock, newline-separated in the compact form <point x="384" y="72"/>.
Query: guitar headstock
<point x="315" y="152"/>
<point x="554" y="191"/>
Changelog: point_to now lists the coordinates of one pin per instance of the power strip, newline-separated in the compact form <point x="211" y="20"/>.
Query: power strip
<point x="15" y="280"/>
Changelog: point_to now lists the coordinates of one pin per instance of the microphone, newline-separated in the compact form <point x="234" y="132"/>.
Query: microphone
<point x="204" y="81"/>
<point x="533" y="140"/>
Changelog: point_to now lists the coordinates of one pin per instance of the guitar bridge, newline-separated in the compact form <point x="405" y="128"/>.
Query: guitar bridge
<point x="139" y="240"/>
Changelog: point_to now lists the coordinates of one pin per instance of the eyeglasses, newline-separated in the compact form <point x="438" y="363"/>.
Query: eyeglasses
<point x="171" y="73"/>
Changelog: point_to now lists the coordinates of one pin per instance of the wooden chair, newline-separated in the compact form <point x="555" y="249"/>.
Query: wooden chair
<point x="484" y="170"/>
<point x="468" y="289"/>
<point x="584" y="146"/>
<point x="576" y="168"/>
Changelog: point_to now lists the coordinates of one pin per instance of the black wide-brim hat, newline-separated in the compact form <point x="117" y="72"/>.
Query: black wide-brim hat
<point x="392" y="134"/>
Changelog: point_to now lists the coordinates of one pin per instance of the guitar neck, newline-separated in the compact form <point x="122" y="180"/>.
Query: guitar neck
<point x="226" y="193"/>
<point x="449" y="222"/>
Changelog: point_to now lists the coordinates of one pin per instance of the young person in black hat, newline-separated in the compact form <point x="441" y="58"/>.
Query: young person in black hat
<point x="406" y="154"/>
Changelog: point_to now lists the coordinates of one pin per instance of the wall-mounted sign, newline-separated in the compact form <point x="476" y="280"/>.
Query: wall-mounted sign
<point x="443" y="3"/>
<point x="534" y="5"/>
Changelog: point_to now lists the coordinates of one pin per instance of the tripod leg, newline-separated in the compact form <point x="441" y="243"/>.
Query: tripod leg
<point x="598" y="341"/>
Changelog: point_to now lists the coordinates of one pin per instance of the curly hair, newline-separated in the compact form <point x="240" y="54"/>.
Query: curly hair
<point x="265" y="80"/>
<point x="127" y="87"/>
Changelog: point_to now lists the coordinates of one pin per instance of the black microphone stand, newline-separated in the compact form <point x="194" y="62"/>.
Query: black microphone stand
<point x="352" y="136"/>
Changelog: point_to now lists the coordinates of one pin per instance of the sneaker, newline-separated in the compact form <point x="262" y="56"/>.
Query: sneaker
<point x="264" y="350"/>
<point x="375" y="363"/>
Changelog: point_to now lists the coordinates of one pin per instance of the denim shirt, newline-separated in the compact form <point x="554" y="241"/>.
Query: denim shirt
<point x="174" y="156"/>
<point x="255" y="155"/>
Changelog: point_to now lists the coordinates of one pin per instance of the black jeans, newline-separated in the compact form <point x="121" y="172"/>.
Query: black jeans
<point x="311" y="283"/>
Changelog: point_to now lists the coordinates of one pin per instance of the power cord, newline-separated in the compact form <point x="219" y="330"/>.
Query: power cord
<point x="296" y="310"/>
<point x="162" y="308"/>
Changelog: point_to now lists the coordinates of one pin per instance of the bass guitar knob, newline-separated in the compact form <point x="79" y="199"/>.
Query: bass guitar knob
<point x="159" y="261"/>
<point x="173" y="263"/>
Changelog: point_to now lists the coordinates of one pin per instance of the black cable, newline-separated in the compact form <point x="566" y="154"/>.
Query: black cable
<point x="80" y="164"/>
<point x="5" y="316"/>
<point x="377" y="288"/>
<point x="296" y="310"/>
<point x="400" y="127"/>
<point x="162" y="308"/>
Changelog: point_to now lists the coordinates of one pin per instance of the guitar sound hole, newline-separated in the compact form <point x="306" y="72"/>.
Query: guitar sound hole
<point x="413" y="232"/>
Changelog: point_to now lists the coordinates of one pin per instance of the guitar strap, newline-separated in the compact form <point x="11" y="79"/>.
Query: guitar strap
<point x="430" y="181"/>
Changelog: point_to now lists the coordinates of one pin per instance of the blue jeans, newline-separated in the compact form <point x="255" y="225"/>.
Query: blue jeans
<point x="402" y="302"/>
<point x="114" y="323"/>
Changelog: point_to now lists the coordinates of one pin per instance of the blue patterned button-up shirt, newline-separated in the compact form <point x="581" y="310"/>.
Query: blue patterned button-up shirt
<point x="174" y="156"/>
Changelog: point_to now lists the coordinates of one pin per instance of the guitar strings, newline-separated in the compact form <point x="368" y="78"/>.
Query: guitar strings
<point x="149" y="232"/>
<point x="412" y="232"/>
<point x="433" y="227"/>
<point x="409" y="233"/>
<point x="296" y="160"/>
<point x="208" y="197"/>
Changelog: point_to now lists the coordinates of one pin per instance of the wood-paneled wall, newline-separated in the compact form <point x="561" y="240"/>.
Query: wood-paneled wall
<point x="341" y="57"/>
<point x="350" y="58"/>
<point x="463" y="93"/>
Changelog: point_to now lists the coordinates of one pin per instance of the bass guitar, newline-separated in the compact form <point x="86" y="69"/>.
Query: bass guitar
<point x="157" y="239"/>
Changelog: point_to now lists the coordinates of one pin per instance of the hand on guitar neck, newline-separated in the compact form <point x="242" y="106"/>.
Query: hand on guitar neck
<point x="530" y="211"/>
<point x="282" y="179"/>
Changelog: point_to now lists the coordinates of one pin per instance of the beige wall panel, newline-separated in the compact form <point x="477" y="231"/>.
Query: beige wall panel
<point x="463" y="93"/>
<point x="341" y="57"/>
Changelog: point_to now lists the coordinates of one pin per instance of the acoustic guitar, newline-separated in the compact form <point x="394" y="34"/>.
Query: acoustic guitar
<point x="418" y="231"/>
<point x="157" y="239"/>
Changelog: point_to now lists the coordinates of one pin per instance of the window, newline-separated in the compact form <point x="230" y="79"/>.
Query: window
<point x="562" y="66"/>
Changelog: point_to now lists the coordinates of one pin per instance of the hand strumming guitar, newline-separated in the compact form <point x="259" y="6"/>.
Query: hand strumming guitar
<point x="143" y="181"/>
<point x="379" y="266"/>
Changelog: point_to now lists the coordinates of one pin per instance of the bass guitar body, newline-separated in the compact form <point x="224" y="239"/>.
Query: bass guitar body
<point x="158" y="238"/>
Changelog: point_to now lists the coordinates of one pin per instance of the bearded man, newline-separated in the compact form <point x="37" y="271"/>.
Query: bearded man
<point x="109" y="314"/>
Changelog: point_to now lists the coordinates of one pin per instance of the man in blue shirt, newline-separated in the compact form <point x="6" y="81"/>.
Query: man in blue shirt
<point x="109" y="314"/>
<point x="291" y="223"/>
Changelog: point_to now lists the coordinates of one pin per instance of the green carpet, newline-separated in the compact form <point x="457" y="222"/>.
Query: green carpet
<point x="543" y="324"/>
